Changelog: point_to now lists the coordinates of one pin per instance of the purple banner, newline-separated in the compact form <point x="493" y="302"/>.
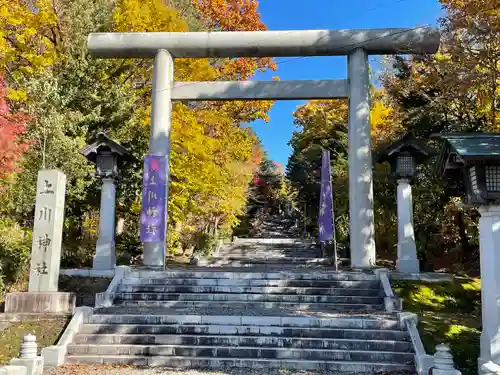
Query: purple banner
<point x="153" y="199"/>
<point x="325" y="217"/>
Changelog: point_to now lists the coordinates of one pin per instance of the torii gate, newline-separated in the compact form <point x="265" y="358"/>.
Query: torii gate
<point x="355" y="44"/>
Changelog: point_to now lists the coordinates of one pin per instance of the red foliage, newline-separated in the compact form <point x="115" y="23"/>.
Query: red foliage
<point x="11" y="127"/>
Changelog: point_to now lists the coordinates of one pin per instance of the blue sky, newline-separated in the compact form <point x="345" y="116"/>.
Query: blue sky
<point x="326" y="14"/>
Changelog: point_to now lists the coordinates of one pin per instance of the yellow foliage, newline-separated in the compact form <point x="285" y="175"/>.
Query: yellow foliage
<point x="146" y="15"/>
<point x="211" y="156"/>
<point x="319" y="117"/>
<point x="29" y="36"/>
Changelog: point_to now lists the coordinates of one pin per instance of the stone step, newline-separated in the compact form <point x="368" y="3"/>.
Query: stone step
<point x="361" y="321"/>
<point x="229" y="297"/>
<point x="239" y="323"/>
<point x="232" y="309"/>
<point x="253" y="251"/>
<point x="242" y="352"/>
<point x="300" y="253"/>
<point x="273" y="241"/>
<point x="272" y="247"/>
<point x="275" y="247"/>
<point x="249" y="290"/>
<point x="266" y="255"/>
<point x="249" y="262"/>
<point x="221" y="363"/>
<point x="248" y="275"/>
<point x="266" y="305"/>
<point x="339" y="284"/>
<point x="237" y="341"/>
<point x="263" y="267"/>
<point x="227" y="330"/>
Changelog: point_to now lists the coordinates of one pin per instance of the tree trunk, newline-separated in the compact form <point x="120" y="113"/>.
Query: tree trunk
<point x="463" y="237"/>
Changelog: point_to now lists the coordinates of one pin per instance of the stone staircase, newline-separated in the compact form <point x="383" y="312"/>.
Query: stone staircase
<point x="270" y="253"/>
<point x="259" y="315"/>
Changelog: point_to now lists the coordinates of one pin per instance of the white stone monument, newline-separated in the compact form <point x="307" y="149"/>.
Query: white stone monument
<point x="42" y="296"/>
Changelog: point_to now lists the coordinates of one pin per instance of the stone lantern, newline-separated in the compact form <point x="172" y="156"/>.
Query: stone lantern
<point x="108" y="157"/>
<point x="404" y="156"/>
<point x="472" y="161"/>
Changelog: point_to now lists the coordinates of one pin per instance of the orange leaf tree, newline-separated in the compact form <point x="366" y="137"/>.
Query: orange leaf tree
<point x="237" y="15"/>
<point x="12" y="126"/>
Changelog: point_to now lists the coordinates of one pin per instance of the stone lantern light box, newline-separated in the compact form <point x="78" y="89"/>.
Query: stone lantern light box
<point x="473" y="161"/>
<point x="107" y="155"/>
<point x="404" y="156"/>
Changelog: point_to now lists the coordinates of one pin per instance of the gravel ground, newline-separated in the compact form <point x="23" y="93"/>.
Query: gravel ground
<point x="126" y="370"/>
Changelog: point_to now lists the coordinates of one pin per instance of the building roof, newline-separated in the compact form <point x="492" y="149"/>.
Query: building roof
<point x="470" y="145"/>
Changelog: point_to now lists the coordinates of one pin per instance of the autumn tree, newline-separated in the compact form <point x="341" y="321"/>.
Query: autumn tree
<point x="324" y="125"/>
<point x="471" y="41"/>
<point x="457" y="89"/>
<point x="12" y="126"/>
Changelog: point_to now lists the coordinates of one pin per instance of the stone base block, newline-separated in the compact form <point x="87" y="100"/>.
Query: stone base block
<point x="13" y="370"/>
<point x="105" y="258"/>
<point x="40" y="302"/>
<point x="408" y="265"/>
<point x="34" y="366"/>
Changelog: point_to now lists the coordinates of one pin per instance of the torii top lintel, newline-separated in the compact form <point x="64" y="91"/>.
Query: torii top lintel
<point x="417" y="40"/>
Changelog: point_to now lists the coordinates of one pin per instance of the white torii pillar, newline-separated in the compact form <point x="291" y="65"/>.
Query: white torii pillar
<point x="489" y="248"/>
<point x="356" y="44"/>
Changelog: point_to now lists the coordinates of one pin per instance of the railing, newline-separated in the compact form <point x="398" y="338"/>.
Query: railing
<point x="391" y="301"/>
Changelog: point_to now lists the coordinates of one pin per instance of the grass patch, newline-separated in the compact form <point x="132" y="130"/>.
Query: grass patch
<point x="47" y="333"/>
<point x="449" y="312"/>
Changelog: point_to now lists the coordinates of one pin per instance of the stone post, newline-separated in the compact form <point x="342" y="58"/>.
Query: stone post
<point x="159" y="139"/>
<point x="361" y="221"/>
<point x="489" y="246"/>
<point x="42" y="295"/>
<point x="47" y="231"/>
<point x="28" y="356"/>
<point x="443" y="361"/>
<point x="407" y="261"/>
<point x="105" y="255"/>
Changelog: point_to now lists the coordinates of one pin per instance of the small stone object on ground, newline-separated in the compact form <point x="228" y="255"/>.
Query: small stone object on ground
<point x="28" y="347"/>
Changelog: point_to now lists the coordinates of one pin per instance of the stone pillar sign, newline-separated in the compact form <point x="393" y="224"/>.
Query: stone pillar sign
<point x="47" y="231"/>
<point x="42" y="296"/>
